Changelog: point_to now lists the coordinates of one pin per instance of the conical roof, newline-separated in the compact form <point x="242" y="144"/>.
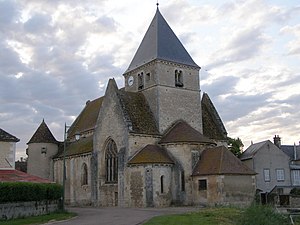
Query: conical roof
<point x="43" y="135"/>
<point x="160" y="42"/>
<point x="182" y="132"/>
<point x="151" y="154"/>
<point x="220" y="161"/>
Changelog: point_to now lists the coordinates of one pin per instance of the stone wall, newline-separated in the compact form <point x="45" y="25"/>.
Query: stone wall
<point x="25" y="209"/>
<point x="224" y="190"/>
<point x="76" y="193"/>
<point x="40" y="158"/>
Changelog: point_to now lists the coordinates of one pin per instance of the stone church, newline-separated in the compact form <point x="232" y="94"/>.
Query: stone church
<point x="154" y="143"/>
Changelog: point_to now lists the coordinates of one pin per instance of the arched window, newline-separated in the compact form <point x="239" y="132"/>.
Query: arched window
<point x="162" y="184"/>
<point x="141" y="80"/>
<point x="111" y="162"/>
<point x="84" y="174"/>
<point x="182" y="181"/>
<point x="178" y="78"/>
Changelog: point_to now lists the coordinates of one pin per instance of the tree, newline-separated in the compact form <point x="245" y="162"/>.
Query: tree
<point x="235" y="145"/>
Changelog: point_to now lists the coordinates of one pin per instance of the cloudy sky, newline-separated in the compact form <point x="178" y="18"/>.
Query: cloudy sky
<point x="57" y="54"/>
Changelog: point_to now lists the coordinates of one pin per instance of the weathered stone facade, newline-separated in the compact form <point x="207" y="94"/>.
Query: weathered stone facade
<point x="141" y="144"/>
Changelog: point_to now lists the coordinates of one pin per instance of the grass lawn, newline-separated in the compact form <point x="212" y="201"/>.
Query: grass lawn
<point x="253" y="215"/>
<point x="39" y="219"/>
<point x="209" y="216"/>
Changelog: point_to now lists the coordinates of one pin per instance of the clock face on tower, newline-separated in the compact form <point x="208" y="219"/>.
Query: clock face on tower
<point x="130" y="80"/>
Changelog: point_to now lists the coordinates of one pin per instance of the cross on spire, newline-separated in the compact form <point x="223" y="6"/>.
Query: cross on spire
<point x="157" y="4"/>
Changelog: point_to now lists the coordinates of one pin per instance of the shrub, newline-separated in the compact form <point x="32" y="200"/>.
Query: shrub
<point x="262" y="215"/>
<point x="295" y="191"/>
<point x="23" y="191"/>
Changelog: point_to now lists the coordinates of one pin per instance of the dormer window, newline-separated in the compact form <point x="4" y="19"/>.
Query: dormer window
<point x="178" y="78"/>
<point x="141" y="80"/>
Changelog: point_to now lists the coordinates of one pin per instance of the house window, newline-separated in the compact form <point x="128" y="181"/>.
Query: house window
<point x="182" y="181"/>
<point x="178" y="78"/>
<point x="202" y="185"/>
<point x="84" y="175"/>
<point x="267" y="175"/>
<point x="162" y="184"/>
<point x="111" y="161"/>
<point x="141" y="80"/>
<point x="280" y="174"/>
<point x="296" y="177"/>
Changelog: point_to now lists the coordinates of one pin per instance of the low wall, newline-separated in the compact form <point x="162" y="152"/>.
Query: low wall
<point x="24" y="209"/>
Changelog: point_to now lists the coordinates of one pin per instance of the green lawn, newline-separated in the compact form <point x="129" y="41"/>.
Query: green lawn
<point x="210" y="216"/>
<point x="39" y="219"/>
<point x="254" y="215"/>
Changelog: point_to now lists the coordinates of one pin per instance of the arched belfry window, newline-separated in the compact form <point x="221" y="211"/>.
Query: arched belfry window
<point x="111" y="162"/>
<point x="84" y="174"/>
<point x="141" y="80"/>
<point x="178" y="78"/>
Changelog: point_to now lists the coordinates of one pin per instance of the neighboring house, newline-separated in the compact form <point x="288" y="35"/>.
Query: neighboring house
<point x="7" y="161"/>
<point x="7" y="150"/>
<point x="138" y="146"/>
<point x="277" y="166"/>
<point x="293" y="152"/>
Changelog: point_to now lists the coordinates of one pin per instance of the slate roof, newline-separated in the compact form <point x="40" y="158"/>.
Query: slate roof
<point x="151" y="154"/>
<point x="82" y="146"/>
<point x="160" y="42"/>
<point x="87" y="118"/>
<point x="43" y="135"/>
<point x="137" y="112"/>
<point x="213" y="126"/>
<point x="220" y="161"/>
<point x="19" y="176"/>
<point x="7" y="137"/>
<point x="182" y="132"/>
<point x="289" y="150"/>
<point x="252" y="149"/>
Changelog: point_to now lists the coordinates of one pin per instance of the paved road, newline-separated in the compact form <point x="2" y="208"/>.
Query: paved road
<point x="119" y="216"/>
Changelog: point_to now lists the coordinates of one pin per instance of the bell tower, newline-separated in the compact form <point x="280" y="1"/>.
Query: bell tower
<point x="167" y="75"/>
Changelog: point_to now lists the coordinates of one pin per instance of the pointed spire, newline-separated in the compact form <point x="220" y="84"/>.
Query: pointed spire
<point x="160" y="42"/>
<point x="43" y="135"/>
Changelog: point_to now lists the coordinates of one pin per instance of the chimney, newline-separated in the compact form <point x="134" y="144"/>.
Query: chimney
<point x="277" y="141"/>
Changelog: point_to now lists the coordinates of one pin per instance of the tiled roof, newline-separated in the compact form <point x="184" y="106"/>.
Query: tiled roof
<point x="220" y="161"/>
<point x="87" y="118"/>
<point x="43" y="135"/>
<point x="181" y="132"/>
<point x="213" y="126"/>
<point x="289" y="150"/>
<point x="137" y="112"/>
<point x="81" y="146"/>
<point x="252" y="149"/>
<point x="18" y="176"/>
<point x="160" y="42"/>
<point x="6" y="137"/>
<point x="151" y="154"/>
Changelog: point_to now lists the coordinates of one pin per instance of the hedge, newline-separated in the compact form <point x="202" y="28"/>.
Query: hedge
<point x="295" y="191"/>
<point x="23" y="191"/>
